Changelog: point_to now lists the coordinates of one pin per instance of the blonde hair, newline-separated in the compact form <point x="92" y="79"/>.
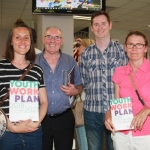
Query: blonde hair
<point x="87" y="42"/>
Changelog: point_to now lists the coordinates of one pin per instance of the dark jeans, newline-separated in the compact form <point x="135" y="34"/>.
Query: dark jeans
<point x="59" y="130"/>
<point x="26" y="141"/>
<point x="95" y="128"/>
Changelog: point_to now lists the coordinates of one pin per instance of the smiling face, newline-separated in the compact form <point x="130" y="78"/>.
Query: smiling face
<point x="101" y="27"/>
<point x="21" y="41"/>
<point x="136" y="54"/>
<point x="52" y="40"/>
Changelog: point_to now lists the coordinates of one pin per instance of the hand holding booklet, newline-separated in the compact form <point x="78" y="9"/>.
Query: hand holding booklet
<point x="121" y="112"/>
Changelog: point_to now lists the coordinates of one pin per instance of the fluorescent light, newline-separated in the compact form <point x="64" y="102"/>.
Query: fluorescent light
<point x="82" y="17"/>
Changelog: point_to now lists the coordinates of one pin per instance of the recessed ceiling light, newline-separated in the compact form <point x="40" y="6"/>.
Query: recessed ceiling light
<point x="82" y="17"/>
<point x="149" y="25"/>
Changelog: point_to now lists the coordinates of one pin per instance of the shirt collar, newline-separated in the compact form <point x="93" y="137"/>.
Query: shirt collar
<point x="144" y="67"/>
<point x="109" y="45"/>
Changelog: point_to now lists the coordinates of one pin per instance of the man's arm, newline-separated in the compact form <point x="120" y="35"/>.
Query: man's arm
<point x="71" y="90"/>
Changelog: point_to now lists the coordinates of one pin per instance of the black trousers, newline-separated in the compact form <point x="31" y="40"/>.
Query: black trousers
<point x="59" y="130"/>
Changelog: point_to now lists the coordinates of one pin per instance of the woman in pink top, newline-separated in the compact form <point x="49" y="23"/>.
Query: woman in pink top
<point x="136" y="45"/>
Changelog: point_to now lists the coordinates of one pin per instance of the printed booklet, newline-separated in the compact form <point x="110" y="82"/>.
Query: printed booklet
<point x="23" y="100"/>
<point x="121" y="112"/>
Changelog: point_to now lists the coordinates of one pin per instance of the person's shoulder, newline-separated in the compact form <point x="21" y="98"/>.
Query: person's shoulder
<point x="147" y="64"/>
<point x="38" y="56"/>
<point x="89" y="49"/>
<point x="66" y="56"/>
<point x="37" y="51"/>
<point x="4" y="61"/>
<point x="37" y="67"/>
<point x="68" y="59"/>
<point x="117" y="44"/>
<point x="121" y="69"/>
<point x="5" y="64"/>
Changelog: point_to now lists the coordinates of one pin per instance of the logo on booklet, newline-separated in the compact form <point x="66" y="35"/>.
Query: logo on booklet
<point x="3" y="123"/>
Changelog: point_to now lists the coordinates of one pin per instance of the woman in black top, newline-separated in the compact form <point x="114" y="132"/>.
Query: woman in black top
<point x="21" y="134"/>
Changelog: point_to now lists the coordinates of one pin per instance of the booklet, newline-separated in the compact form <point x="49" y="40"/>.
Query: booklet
<point x="121" y="112"/>
<point x="23" y="100"/>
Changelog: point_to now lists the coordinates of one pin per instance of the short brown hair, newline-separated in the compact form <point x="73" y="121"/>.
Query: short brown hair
<point x="9" y="52"/>
<point x="137" y="33"/>
<point x="99" y="13"/>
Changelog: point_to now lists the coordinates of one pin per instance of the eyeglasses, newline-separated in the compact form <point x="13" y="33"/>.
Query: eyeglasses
<point x="56" y="38"/>
<point x="137" y="45"/>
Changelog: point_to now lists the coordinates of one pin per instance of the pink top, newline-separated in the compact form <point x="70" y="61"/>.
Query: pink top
<point x="142" y="82"/>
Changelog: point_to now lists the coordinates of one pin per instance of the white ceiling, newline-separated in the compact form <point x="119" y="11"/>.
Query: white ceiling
<point x="125" y="14"/>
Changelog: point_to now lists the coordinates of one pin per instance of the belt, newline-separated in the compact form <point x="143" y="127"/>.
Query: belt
<point x="58" y="115"/>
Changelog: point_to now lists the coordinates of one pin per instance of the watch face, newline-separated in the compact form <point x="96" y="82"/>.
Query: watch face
<point x="3" y="123"/>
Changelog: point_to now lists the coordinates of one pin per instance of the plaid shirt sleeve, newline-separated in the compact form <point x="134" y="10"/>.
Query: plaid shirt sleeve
<point x="83" y="70"/>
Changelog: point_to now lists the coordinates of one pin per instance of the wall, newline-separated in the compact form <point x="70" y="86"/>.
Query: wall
<point x="3" y="39"/>
<point x="67" y="30"/>
<point x="65" y="23"/>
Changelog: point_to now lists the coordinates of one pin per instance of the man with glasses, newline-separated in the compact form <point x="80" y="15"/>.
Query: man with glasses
<point x="58" y="125"/>
<point x="97" y="66"/>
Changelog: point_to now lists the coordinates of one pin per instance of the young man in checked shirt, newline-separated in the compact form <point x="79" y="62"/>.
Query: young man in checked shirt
<point x="97" y="66"/>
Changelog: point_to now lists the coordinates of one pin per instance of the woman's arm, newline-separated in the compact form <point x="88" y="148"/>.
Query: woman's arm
<point x="140" y="118"/>
<point x="20" y="127"/>
<point x="117" y="91"/>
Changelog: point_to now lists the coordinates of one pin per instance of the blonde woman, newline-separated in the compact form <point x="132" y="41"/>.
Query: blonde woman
<point x="80" y="131"/>
<point x="84" y="44"/>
